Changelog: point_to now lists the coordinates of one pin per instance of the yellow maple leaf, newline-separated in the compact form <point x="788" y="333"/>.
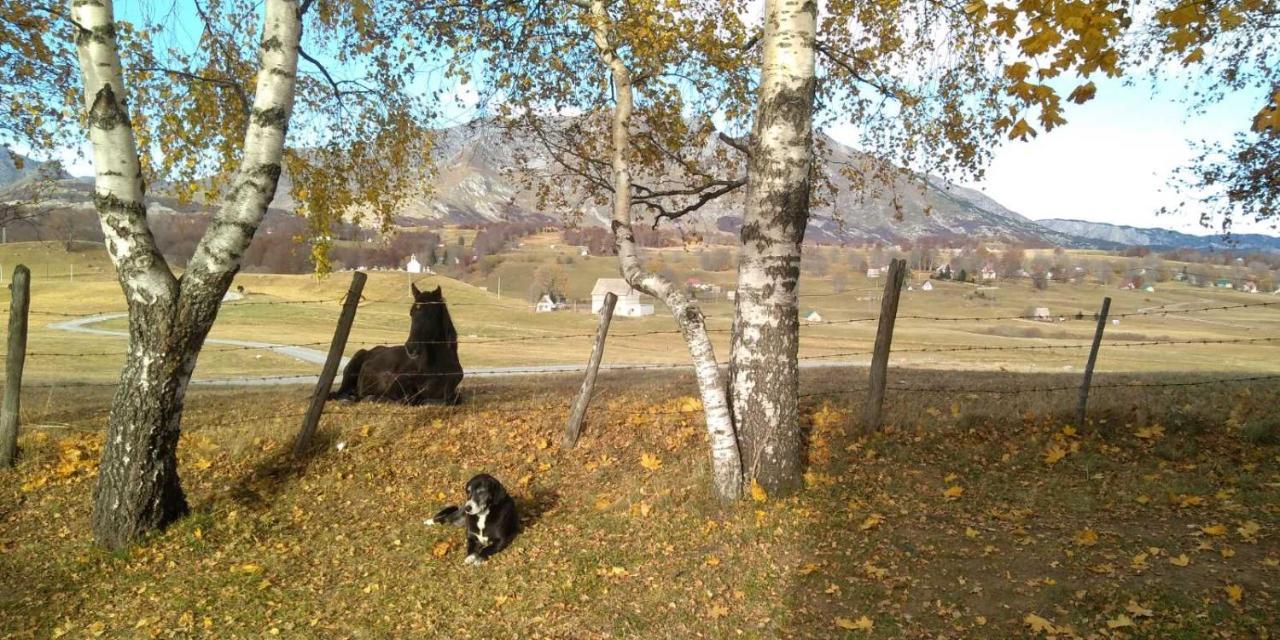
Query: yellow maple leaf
<point x="718" y="611"/>
<point x="1086" y="537"/>
<point x="1120" y="621"/>
<point x="1235" y="593"/>
<point x="970" y="532"/>
<point x="757" y="492"/>
<point x="712" y="561"/>
<point x="650" y="462"/>
<point x="1215" y="530"/>
<point x="953" y="492"/>
<point x="1153" y="432"/>
<point x="1054" y="454"/>
<point x="1249" y="530"/>
<point x="1139" y="561"/>
<point x="441" y="549"/>
<point x="1039" y="624"/>
<point x="871" y="522"/>
<point x="202" y="464"/>
<point x="808" y="568"/>
<point x="1138" y="610"/>
<point x="1181" y="561"/>
<point x="861" y="624"/>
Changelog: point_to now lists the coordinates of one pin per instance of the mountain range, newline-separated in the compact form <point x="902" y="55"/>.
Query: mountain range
<point x="473" y="184"/>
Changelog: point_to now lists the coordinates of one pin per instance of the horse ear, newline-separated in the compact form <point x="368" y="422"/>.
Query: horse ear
<point x="416" y="294"/>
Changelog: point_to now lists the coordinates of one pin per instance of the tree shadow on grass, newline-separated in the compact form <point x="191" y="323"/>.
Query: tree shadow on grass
<point x="260" y="486"/>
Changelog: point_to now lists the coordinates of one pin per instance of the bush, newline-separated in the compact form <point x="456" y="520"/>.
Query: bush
<point x="1263" y="431"/>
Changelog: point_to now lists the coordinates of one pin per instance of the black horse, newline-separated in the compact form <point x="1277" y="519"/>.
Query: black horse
<point x="425" y="370"/>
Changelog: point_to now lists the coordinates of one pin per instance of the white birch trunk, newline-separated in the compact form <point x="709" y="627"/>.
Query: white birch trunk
<point x="138" y="488"/>
<point x="764" y="369"/>
<point x="726" y="463"/>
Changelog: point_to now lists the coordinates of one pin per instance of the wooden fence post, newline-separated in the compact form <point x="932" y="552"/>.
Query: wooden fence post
<point x="579" y="412"/>
<point x="884" y="338"/>
<point x="18" y="306"/>
<point x="1093" y="358"/>
<point x="339" y="344"/>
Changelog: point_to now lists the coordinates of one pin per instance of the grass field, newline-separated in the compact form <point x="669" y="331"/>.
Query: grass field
<point x="503" y="330"/>
<point x="966" y="518"/>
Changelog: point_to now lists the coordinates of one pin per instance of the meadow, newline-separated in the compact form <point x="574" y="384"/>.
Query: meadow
<point x="980" y="511"/>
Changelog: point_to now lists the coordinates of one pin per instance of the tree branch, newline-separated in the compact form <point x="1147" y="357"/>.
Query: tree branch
<point x="246" y="104"/>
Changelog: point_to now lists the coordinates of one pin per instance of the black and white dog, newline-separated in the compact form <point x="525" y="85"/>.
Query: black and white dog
<point x="489" y="514"/>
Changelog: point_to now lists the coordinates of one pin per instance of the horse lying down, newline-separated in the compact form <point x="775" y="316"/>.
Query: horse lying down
<point x="424" y="370"/>
<point x="489" y="515"/>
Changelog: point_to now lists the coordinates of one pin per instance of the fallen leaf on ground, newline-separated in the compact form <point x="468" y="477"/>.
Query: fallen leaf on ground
<point x="861" y="624"/>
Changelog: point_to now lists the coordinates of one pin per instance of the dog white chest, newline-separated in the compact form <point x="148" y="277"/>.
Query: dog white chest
<point x="480" y="520"/>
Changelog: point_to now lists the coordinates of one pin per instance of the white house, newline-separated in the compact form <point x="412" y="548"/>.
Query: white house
<point x="544" y="304"/>
<point x="629" y="300"/>
<point x="873" y="273"/>
<point x="813" y="316"/>
<point x="988" y="273"/>
<point x="1042" y="313"/>
<point x="927" y="286"/>
<point x="413" y="266"/>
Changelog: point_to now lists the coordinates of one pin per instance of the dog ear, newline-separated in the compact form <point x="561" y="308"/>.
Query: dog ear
<point x="416" y="294"/>
<point x="499" y="491"/>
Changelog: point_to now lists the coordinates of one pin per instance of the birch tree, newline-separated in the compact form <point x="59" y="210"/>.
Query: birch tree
<point x="138" y="488"/>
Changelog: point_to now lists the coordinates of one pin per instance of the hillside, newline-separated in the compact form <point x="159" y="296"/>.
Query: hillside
<point x="1161" y="238"/>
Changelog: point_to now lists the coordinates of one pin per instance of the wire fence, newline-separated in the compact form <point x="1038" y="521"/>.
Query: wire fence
<point x="818" y="359"/>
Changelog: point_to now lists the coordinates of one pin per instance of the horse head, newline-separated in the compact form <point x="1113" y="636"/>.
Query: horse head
<point x="428" y="321"/>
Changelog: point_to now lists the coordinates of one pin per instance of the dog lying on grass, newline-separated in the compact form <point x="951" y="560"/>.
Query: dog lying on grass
<point x="489" y="515"/>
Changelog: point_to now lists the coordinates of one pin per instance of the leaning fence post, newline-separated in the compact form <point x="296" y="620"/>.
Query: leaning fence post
<point x="18" y="306"/>
<point x="579" y="413"/>
<point x="884" y="338"/>
<point x="1093" y="358"/>
<point x="325" y="384"/>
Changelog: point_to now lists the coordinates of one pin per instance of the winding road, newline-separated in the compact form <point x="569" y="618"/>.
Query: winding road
<point x="83" y="325"/>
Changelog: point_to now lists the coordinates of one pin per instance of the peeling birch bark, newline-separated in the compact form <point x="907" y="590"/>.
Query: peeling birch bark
<point x="764" y="370"/>
<point x="138" y="488"/>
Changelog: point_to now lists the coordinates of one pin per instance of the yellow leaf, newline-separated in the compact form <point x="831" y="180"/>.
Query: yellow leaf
<point x="1053" y="455"/>
<point x="1235" y="593"/>
<point x="861" y="624"/>
<point x="202" y="464"/>
<point x="650" y="462"/>
<point x="1139" y="561"/>
<point x="1215" y="530"/>
<point x="712" y="561"/>
<point x="718" y="611"/>
<point x="953" y="492"/>
<point x="808" y="568"/>
<point x="1249" y="530"/>
<point x="542" y="444"/>
<point x="249" y="568"/>
<point x="1120" y="621"/>
<point x="1227" y="552"/>
<point x="970" y="532"/>
<point x="1153" y="432"/>
<point x="871" y="522"/>
<point x="441" y="549"/>
<point x="1039" y="625"/>
<point x="757" y="492"/>
<point x="1138" y="610"/>
<point x="1087" y="537"/>
<point x="1181" y="561"/>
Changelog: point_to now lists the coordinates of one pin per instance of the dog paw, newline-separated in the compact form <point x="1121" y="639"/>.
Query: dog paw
<point x="430" y="522"/>
<point x="473" y="560"/>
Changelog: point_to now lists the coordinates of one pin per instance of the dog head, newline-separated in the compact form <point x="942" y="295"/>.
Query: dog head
<point x="483" y="491"/>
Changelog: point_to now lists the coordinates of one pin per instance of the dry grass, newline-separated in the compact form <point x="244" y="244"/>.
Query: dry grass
<point x="331" y="547"/>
